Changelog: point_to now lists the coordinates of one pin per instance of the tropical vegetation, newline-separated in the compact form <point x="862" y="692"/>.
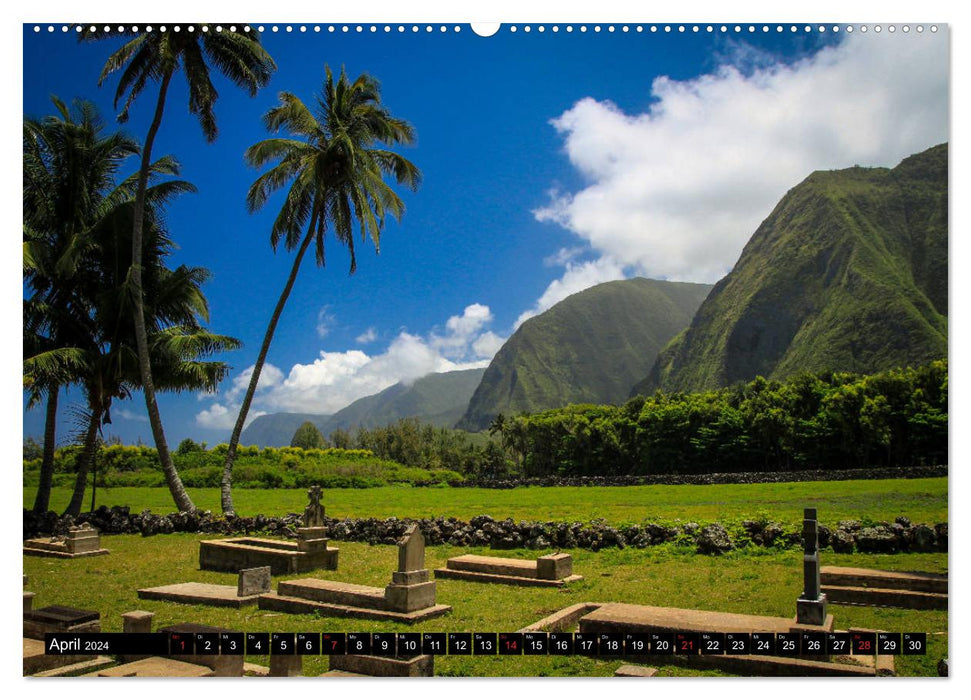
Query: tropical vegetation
<point x="828" y="420"/>
<point x="78" y="320"/>
<point x="157" y="56"/>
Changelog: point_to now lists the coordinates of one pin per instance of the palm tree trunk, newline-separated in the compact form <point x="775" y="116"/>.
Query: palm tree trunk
<point x="43" y="500"/>
<point x="179" y="494"/>
<point x="87" y="457"/>
<point x="227" y="481"/>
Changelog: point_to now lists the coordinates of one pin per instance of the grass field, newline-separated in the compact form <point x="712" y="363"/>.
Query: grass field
<point x="922" y="500"/>
<point x="754" y="581"/>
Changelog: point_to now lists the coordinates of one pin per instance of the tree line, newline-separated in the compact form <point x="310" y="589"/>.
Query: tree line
<point x="102" y="309"/>
<point x="829" y="420"/>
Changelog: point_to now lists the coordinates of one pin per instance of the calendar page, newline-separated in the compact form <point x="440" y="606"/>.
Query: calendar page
<point x="524" y="349"/>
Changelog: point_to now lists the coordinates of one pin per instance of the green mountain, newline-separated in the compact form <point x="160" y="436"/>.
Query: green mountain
<point x="277" y="429"/>
<point x="849" y="273"/>
<point x="589" y="348"/>
<point x="439" y="399"/>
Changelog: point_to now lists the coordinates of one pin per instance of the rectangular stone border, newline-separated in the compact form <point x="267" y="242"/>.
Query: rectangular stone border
<point x="32" y="552"/>
<point x="875" y="578"/>
<point x="480" y="577"/>
<point x="885" y="598"/>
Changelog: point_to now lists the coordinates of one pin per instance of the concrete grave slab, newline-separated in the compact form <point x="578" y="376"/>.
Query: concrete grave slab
<point x="155" y="667"/>
<point x="631" y="671"/>
<point x="422" y="666"/>
<point x="890" y="589"/>
<point x="199" y="594"/>
<point x="77" y="669"/>
<point x="300" y="606"/>
<point x="624" y="617"/>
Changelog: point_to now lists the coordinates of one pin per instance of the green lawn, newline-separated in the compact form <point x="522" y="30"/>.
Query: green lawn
<point x="753" y="581"/>
<point x="922" y="500"/>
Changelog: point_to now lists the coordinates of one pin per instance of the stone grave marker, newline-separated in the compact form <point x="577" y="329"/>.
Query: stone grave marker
<point x="811" y="605"/>
<point x="253" y="581"/>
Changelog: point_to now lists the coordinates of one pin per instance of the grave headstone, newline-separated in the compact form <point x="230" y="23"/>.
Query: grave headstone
<point x="811" y="605"/>
<point x="410" y="588"/>
<point x="312" y="537"/>
<point x="253" y="581"/>
<point x="313" y="514"/>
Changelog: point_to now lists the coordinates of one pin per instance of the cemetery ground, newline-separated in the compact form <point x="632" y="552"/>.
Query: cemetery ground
<point x="754" y="581"/>
<point x="921" y="500"/>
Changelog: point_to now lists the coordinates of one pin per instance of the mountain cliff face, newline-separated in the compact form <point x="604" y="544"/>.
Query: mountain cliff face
<point x="848" y="273"/>
<point x="589" y="348"/>
<point x="439" y="399"/>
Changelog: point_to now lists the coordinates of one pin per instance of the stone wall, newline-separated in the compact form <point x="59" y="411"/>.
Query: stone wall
<point x="754" y="477"/>
<point x="483" y="531"/>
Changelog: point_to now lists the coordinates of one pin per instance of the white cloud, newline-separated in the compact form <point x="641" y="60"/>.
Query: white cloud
<point x="223" y="417"/>
<point x="368" y="336"/>
<point x="270" y="376"/>
<point x="487" y="344"/>
<point x="461" y="331"/>
<point x="563" y="255"/>
<point x="675" y="192"/>
<point x="130" y="415"/>
<point x="578" y="276"/>
<point x="335" y="379"/>
<point x="324" y="321"/>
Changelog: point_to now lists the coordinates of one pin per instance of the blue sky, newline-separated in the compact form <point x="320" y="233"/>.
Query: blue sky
<point x="551" y="162"/>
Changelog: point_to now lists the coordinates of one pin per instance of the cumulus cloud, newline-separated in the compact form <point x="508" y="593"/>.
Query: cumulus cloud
<point x="335" y="379"/>
<point x="675" y="192"/>
<point x="461" y="331"/>
<point x="270" y="376"/>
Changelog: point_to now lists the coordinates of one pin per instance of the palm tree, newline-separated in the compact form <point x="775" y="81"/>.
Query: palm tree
<point x="69" y="171"/>
<point x="175" y="305"/>
<point x="334" y="162"/>
<point x="157" y="55"/>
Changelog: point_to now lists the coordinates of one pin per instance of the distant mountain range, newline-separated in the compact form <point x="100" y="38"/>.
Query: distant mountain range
<point x="439" y="399"/>
<point x="848" y="273"/>
<point x="589" y="348"/>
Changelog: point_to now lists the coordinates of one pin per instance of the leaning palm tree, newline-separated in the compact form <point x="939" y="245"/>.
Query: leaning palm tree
<point x="157" y="55"/>
<point x="334" y="161"/>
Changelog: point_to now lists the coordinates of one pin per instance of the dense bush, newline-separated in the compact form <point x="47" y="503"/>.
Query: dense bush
<point x="272" y="467"/>
<point x="812" y="421"/>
